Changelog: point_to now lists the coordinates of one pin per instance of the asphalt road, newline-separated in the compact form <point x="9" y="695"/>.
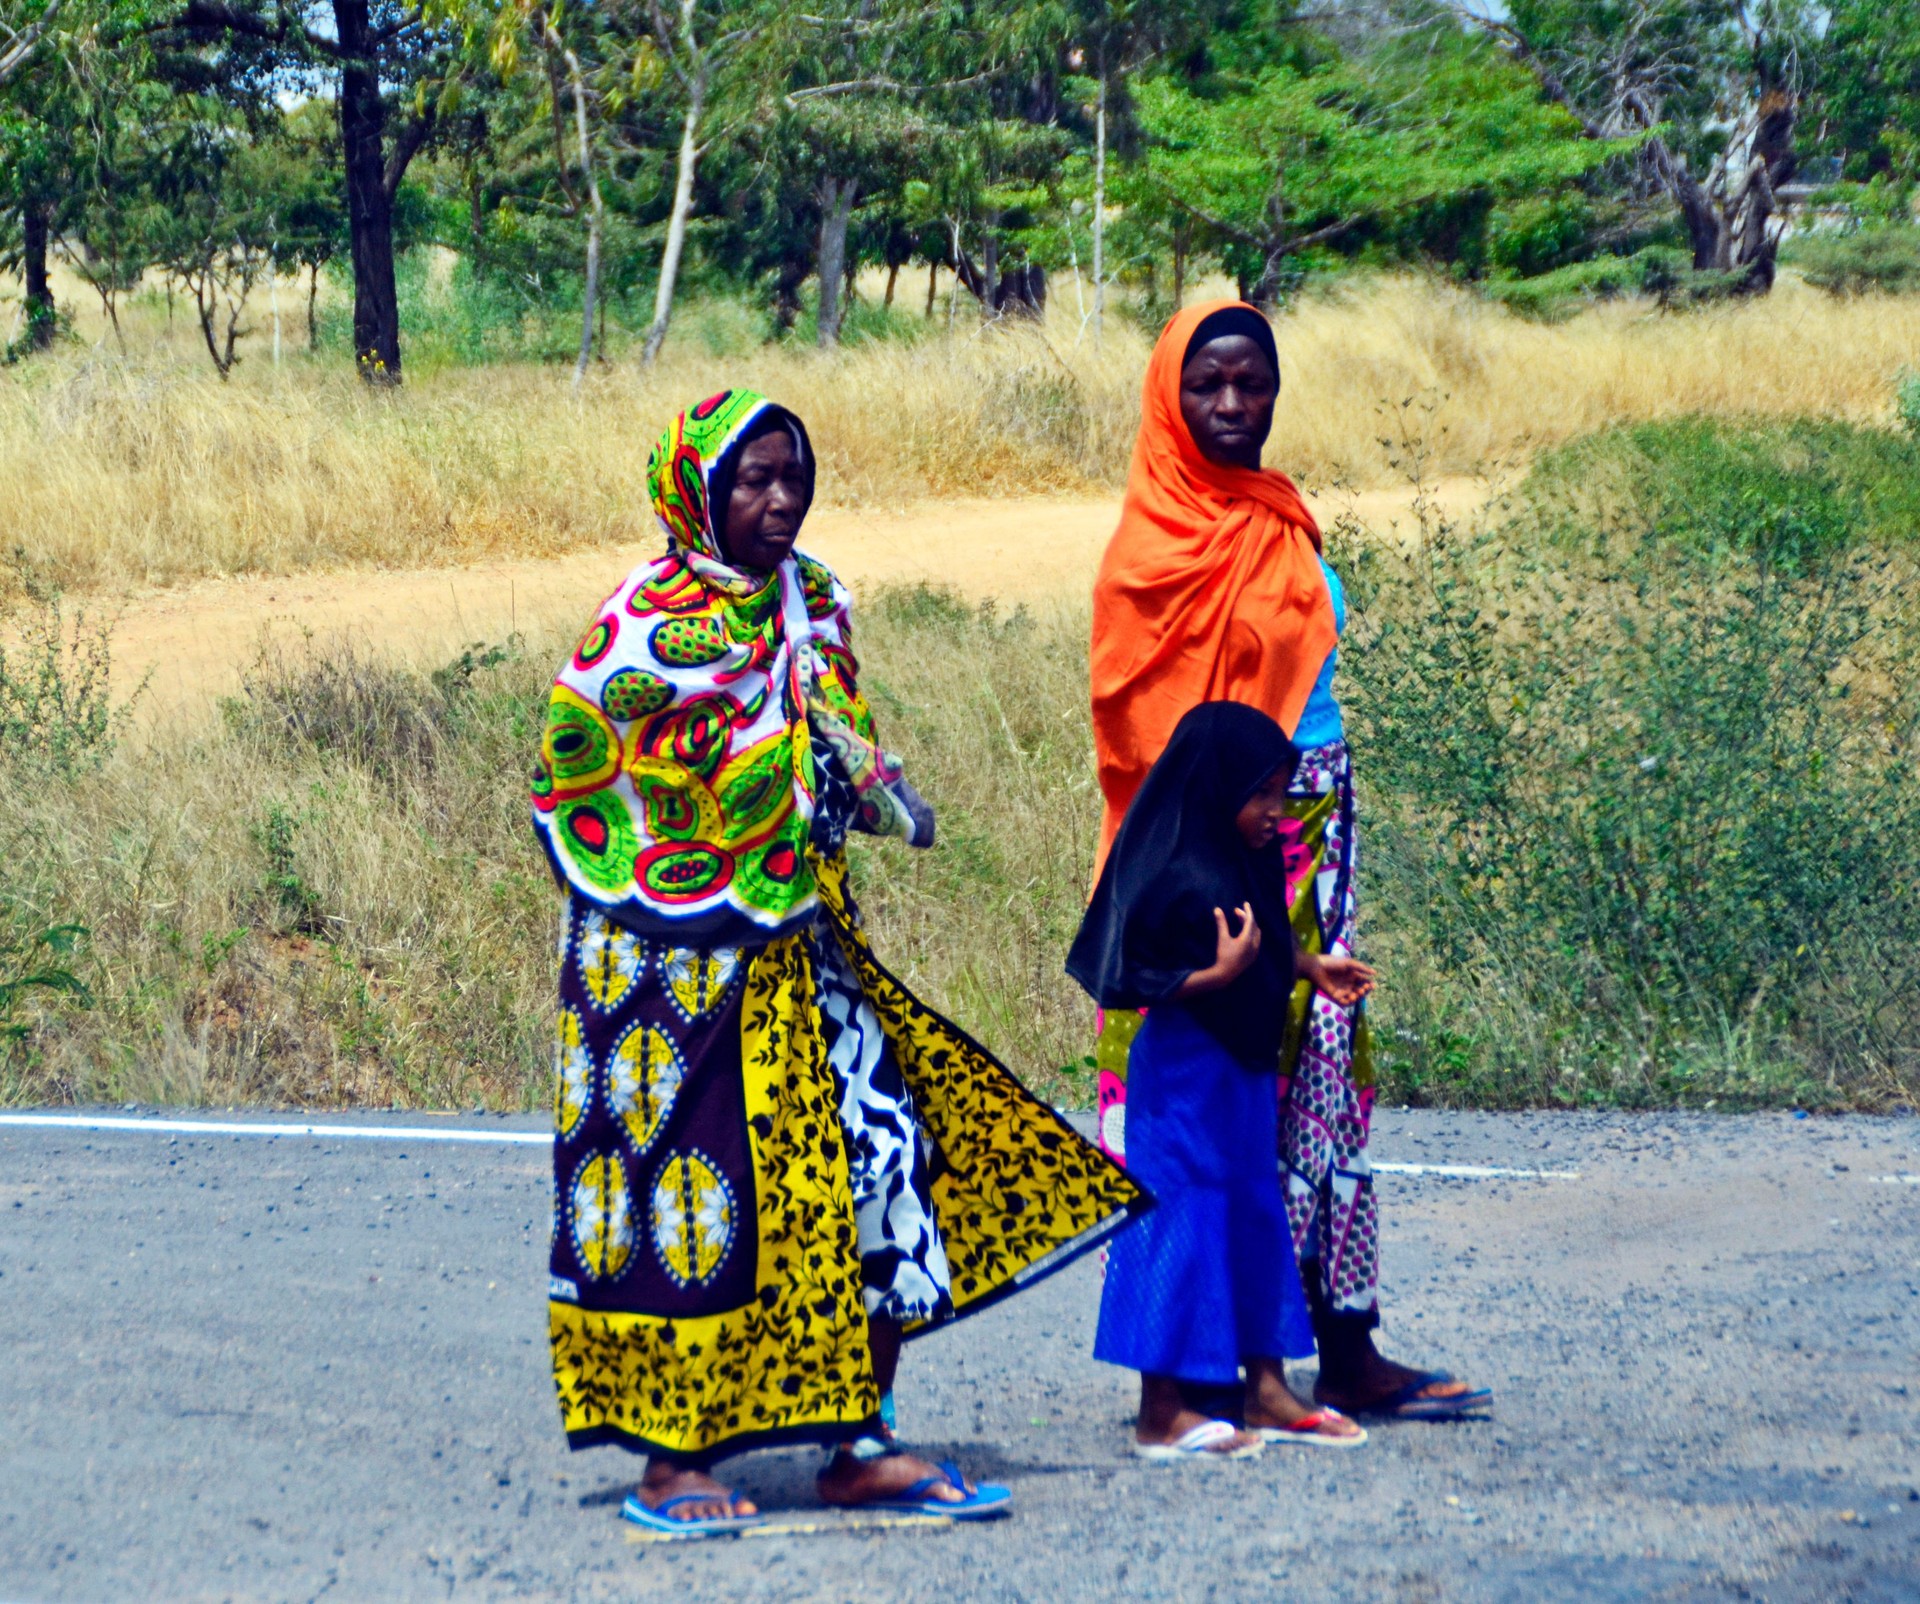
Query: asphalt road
<point x="251" y="1368"/>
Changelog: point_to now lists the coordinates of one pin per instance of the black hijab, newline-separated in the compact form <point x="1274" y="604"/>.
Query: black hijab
<point x="1177" y="857"/>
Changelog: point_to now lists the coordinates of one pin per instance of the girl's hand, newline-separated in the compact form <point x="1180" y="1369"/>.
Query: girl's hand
<point x="1345" y="980"/>
<point x="1233" y="955"/>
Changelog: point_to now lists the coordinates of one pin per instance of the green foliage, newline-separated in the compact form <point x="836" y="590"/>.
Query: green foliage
<point x="1405" y="155"/>
<point x="1883" y="259"/>
<point x="36" y="960"/>
<point x="1867" y="92"/>
<point x="56" y="708"/>
<point x="1801" y="489"/>
<point x="1907" y="403"/>
<point x="1561" y="293"/>
<point x="1646" y="815"/>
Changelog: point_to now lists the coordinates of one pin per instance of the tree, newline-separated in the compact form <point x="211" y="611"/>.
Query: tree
<point x="303" y="191"/>
<point x="1866" y="104"/>
<point x="1336" y="153"/>
<point x="1712" y="88"/>
<point x="699" y="43"/>
<point x="214" y="236"/>
<point x="393" y="65"/>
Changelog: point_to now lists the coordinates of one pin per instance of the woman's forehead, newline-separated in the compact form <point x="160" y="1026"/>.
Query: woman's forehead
<point x="1224" y="351"/>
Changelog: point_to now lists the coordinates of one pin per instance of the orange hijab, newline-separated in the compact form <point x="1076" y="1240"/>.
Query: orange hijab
<point x="1210" y="590"/>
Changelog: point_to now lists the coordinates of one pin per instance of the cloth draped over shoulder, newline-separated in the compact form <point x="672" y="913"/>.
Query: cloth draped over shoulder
<point x="676" y="780"/>
<point x="1210" y="589"/>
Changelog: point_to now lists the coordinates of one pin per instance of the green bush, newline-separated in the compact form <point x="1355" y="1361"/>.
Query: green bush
<point x="1799" y="485"/>
<point x="1644" y="812"/>
<point x="1883" y="258"/>
<point x="1658" y="270"/>
<point x="1907" y="400"/>
<point x="56" y="705"/>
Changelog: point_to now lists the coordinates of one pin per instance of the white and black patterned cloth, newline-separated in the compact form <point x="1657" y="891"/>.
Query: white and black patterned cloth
<point x="903" y="1263"/>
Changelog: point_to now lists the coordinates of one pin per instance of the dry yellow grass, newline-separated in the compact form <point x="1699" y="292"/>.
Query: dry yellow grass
<point x="144" y="469"/>
<point x="334" y="896"/>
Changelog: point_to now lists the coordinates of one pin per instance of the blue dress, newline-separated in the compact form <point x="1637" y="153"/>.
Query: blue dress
<point x="1207" y="1279"/>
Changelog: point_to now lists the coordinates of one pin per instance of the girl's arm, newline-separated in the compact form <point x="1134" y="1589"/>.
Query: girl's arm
<point x="1345" y="980"/>
<point x="1233" y="955"/>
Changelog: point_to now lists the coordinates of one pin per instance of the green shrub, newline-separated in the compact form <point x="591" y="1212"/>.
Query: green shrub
<point x="56" y="704"/>
<point x="1644" y="815"/>
<point x="387" y="719"/>
<point x="1549" y="297"/>
<point x="1799" y="485"/>
<point x="1907" y="400"/>
<point x="1883" y="258"/>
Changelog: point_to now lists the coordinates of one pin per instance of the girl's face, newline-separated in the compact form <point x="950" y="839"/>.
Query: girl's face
<point x="1262" y="814"/>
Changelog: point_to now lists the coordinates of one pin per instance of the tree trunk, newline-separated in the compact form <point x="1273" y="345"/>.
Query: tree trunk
<point x="933" y="287"/>
<point x="1100" y="205"/>
<point x="989" y="267"/>
<point x="837" y="196"/>
<point x="590" y="180"/>
<point x="893" y="278"/>
<point x="376" y="301"/>
<point x="1772" y="164"/>
<point x="677" y="218"/>
<point x="313" y="293"/>
<point x="40" y="314"/>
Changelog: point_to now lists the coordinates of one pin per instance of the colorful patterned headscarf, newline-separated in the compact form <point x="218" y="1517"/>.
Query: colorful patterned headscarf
<point x="676" y="781"/>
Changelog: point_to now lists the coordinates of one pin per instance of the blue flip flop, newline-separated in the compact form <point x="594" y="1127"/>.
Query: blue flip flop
<point x="659" y="1520"/>
<point x="985" y="1502"/>
<point x="1407" y="1404"/>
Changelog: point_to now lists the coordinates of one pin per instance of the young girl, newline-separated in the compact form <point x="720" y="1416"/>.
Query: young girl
<point x="1189" y="921"/>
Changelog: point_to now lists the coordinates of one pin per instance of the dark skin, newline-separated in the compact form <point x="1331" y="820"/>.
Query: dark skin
<point x="763" y="517"/>
<point x="769" y="499"/>
<point x="1164" y="1414"/>
<point x="1227" y="392"/>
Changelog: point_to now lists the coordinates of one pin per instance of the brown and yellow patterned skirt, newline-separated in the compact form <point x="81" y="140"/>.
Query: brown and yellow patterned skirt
<point x="706" y="1292"/>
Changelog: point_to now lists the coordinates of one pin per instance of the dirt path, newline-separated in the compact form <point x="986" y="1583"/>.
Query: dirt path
<point x="195" y="642"/>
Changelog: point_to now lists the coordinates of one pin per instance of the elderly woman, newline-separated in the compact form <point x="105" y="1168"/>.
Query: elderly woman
<point x="1213" y="589"/>
<point x="772" y="1163"/>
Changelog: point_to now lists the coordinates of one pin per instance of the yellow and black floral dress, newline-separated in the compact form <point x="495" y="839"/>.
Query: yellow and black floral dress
<point x="761" y="1137"/>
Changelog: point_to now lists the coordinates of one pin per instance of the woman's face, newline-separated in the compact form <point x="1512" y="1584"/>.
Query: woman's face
<point x="1227" y="391"/>
<point x="1262" y="814"/>
<point x="769" y="499"/>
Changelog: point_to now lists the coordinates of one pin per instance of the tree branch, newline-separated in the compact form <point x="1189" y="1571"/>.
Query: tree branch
<point x="21" y="45"/>
<point x="413" y="134"/>
<point x="219" y="17"/>
<point x="858" y="86"/>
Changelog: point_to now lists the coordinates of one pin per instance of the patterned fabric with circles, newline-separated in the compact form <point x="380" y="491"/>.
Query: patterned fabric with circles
<point x="675" y="781"/>
<point x="706" y="1283"/>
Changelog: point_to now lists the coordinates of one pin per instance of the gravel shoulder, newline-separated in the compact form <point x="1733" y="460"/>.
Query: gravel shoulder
<point x="295" y="1368"/>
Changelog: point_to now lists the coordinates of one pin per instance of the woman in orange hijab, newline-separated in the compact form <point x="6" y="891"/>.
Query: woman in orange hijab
<point x="1214" y="589"/>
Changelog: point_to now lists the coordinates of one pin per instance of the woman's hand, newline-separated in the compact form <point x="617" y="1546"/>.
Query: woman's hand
<point x="1345" y="980"/>
<point x="1233" y="953"/>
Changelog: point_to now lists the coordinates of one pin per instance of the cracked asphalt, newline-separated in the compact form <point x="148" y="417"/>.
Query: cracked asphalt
<point x="241" y="1368"/>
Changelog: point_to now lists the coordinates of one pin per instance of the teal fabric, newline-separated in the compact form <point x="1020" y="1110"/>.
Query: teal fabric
<point x="1320" y="721"/>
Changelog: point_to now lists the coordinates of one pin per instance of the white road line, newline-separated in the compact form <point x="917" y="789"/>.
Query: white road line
<point x="1896" y="1180"/>
<point x="207" y="1127"/>
<point x="463" y="1133"/>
